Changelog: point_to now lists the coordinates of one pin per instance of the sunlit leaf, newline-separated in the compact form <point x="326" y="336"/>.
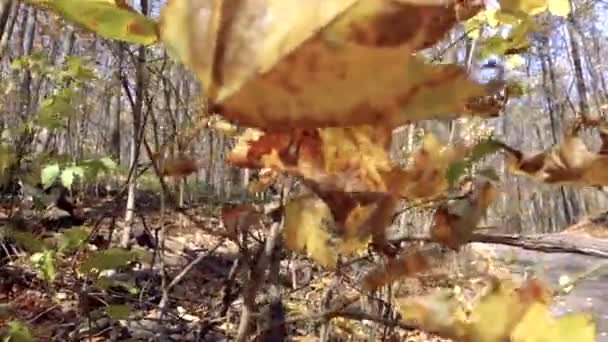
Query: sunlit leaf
<point x="45" y="264"/>
<point x="559" y="7"/>
<point x="107" y="18"/>
<point x="505" y="313"/>
<point x="569" y="162"/>
<point x="304" y="65"/>
<point x="49" y="174"/>
<point x="538" y="326"/>
<point x="18" y="331"/>
<point x="68" y="174"/>
<point x="311" y="228"/>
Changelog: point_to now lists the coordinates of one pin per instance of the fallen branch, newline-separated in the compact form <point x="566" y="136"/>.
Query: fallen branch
<point x="549" y="243"/>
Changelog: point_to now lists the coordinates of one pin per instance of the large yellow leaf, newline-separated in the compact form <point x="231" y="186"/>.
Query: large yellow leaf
<point x="505" y="313"/>
<point x="534" y="7"/>
<point x="112" y="19"/>
<point x="310" y="228"/>
<point x="281" y="64"/>
<point x="539" y="326"/>
<point x="228" y="42"/>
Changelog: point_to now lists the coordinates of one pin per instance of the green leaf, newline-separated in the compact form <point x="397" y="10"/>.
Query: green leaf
<point x="108" y="163"/>
<point x="455" y="171"/>
<point x="95" y="166"/>
<point x="55" y="109"/>
<point x="67" y="176"/>
<point x="108" y="20"/>
<point x="18" y="332"/>
<point x="76" y="69"/>
<point x="28" y="241"/>
<point x="481" y="150"/>
<point x="45" y="264"/>
<point x="484" y="148"/>
<point x="118" y="311"/>
<point x="107" y="260"/>
<point x="49" y="174"/>
<point x="73" y="238"/>
<point x="107" y="283"/>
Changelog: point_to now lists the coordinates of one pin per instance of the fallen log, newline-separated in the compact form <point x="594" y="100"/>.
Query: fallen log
<point x="547" y="243"/>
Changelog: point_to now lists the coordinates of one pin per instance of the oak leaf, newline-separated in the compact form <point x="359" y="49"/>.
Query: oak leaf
<point x="329" y="63"/>
<point x="568" y="163"/>
<point x="350" y="159"/>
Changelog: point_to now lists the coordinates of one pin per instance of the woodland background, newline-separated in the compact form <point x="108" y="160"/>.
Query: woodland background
<point x="563" y="74"/>
<point x="79" y="97"/>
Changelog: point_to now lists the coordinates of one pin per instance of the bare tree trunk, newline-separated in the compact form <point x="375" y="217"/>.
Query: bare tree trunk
<point x="138" y="109"/>
<point x="115" y="103"/>
<point x="581" y="87"/>
<point x="11" y="17"/>
<point x="5" y="10"/>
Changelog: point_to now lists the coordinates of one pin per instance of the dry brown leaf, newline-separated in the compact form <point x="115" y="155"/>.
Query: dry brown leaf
<point x="455" y="223"/>
<point x="176" y="166"/>
<point x="266" y="177"/>
<point x="405" y="265"/>
<point x="239" y="219"/>
<point x="426" y="177"/>
<point x="350" y="159"/>
<point x="569" y="162"/>
<point x="329" y="63"/>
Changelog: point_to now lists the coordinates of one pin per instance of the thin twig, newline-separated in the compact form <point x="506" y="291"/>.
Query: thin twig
<point x="257" y="278"/>
<point x="191" y="265"/>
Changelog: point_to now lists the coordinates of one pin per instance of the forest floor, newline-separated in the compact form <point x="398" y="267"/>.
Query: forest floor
<point x="205" y="304"/>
